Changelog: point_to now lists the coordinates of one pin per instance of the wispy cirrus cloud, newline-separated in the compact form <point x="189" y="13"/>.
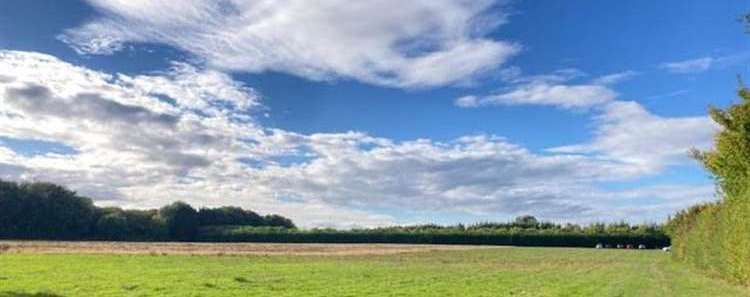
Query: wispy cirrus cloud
<point x="552" y="89"/>
<point x="668" y="94"/>
<point x="420" y="44"/>
<point x="614" y="78"/>
<point x="689" y="66"/>
<point x="564" y="96"/>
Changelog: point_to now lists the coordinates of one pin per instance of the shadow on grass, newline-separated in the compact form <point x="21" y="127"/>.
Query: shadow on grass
<point x="22" y="294"/>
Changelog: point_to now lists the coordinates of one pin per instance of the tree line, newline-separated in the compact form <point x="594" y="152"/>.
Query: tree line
<point x="481" y="234"/>
<point x="41" y="210"/>
<point x="47" y="211"/>
<point x="523" y="231"/>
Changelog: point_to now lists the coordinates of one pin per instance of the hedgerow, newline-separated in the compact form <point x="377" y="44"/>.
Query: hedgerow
<point x="716" y="236"/>
<point x="528" y="236"/>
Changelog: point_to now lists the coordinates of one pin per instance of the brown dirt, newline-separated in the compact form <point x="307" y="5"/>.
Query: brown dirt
<point x="180" y="248"/>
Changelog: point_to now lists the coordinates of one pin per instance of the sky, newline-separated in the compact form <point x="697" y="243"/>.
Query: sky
<point x="371" y="113"/>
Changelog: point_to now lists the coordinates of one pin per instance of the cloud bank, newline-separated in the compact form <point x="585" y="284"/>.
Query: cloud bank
<point x="189" y="133"/>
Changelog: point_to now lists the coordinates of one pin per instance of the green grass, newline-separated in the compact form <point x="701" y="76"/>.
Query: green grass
<point x="488" y="272"/>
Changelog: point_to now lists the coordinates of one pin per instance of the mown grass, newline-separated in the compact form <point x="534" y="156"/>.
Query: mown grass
<point x="487" y="272"/>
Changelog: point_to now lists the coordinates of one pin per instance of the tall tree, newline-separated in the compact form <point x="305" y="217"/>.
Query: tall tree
<point x="181" y="220"/>
<point x="729" y="161"/>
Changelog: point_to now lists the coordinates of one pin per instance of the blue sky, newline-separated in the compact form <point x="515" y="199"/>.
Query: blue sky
<point x="352" y="114"/>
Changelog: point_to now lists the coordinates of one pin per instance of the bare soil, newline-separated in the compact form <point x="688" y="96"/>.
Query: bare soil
<point x="182" y="248"/>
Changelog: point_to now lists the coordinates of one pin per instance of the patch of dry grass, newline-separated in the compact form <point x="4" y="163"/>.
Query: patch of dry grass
<point x="180" y="248"/>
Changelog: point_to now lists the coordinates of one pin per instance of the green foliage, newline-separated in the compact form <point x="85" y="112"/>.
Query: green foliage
<point x="229" y="216"/>
<point x="181" y="220"/>
<point x="716" y="237"/>
<point x="140" y="225"/>
<point x="729" y="162"/>
<point x="526" y="221"/>
<point x="734" y="236"/>
<point x="541" y="234"/>
<point x="43" y="210"/>
<point x="508" y="272"/>
<point x="278" y="221"/>
<point x="48" y="211"/>
<point x="113" y="226"/>
<point x="235" y="216"/>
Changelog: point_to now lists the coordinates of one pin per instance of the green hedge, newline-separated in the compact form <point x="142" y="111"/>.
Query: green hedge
<point x="716" y="237"/>
<point x="521" y="237"/>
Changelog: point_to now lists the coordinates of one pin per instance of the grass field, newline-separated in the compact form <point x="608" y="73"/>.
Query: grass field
<point x="331" y="271"/>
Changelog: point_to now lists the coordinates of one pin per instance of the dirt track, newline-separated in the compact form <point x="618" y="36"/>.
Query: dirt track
<point x="86" y="247"/>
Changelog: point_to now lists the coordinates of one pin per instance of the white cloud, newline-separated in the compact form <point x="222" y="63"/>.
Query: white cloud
<point x="651" y="204"/>
<point x="421" y="44"/>
<point x="565" y="96"/>
<point x="614" y="78"/>
<point x="142" y="141"/>
<point x="548" y="90"/>
<point x="468" y="101"/>
<point x="188" y="133"/>
<point x="668" y="94"/>
<point x="628" y="132"/>
<point x="689" y="66"/>
<point x="471" y="174"/>
<point x="482" y="176"/>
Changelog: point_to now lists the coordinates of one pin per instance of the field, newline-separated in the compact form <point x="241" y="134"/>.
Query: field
<point x="111" y="269"/>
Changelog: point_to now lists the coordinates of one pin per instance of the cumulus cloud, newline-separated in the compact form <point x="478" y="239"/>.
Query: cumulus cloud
<point x="421" y="44"/>
<point x="189" y="133"/>
<point x="134" y="147"/>
<point x="471" y="174"/>
<point x="689" y="66"/>
<point x="628" y="132"/>
<point x="39" y="101"/>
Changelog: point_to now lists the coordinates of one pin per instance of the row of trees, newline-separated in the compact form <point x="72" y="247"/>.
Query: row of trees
<point x="523" y="231"/>
<point x="49" y="211"/>
<point x="716" y="236"/>
<point x="542" y="234"/>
